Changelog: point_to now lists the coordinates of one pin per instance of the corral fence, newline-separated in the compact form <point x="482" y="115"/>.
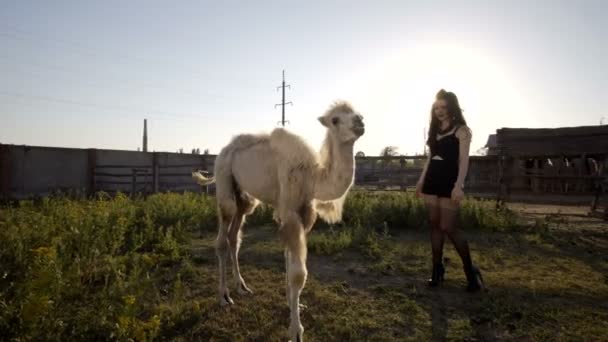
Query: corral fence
<point x="403" y="172"/>
<point x="565" y="178"/>
<point x="28" y="171"/>
<point x="560" y="163"/>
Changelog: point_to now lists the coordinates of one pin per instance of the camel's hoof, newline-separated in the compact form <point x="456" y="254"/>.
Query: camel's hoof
<point x="242" y="289"/>
<point x="297" y="334"/>
<point x="297" y="339"/>
<point x="226" y="300"/>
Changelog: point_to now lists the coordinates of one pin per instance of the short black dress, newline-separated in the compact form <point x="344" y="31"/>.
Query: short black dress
<point x="441" y="174"/>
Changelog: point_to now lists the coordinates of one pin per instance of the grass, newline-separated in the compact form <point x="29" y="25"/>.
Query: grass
<point x="145" y="269"/>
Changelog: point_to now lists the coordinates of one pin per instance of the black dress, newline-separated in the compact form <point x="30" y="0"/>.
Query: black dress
<point x="441" y="174"/>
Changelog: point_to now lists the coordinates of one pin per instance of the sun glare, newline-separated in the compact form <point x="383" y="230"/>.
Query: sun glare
<point x="401" y="90"/>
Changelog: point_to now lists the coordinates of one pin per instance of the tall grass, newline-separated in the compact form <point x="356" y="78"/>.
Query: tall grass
<point x="113" y="268"/>
<point x="368" y="217"/>
<point x="71" y="269"/>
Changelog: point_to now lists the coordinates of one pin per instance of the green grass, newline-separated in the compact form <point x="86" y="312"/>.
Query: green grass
<point x="145" y="269"/>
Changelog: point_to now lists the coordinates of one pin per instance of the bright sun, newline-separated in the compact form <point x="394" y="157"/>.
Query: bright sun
<point x="402" y="88"/>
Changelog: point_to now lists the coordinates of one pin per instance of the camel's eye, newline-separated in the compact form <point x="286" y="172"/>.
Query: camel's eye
<point x="335" y="121"/>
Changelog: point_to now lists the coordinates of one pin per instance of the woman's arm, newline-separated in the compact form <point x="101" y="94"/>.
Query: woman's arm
<point x="464" y="135"/>
<point x="421" y="180"/>
<point x="426" y="166"/>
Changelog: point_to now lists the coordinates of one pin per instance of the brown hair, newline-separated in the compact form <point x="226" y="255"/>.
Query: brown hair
<point x="454" y="111"/>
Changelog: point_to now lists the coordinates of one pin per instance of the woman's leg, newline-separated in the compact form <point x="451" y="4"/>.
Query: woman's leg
<point x="437" y="235"/>
<point x="437" y="239"/>
<point x="449" y="223"/>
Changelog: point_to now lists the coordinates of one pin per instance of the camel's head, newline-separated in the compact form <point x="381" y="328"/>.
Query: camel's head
<point x="343" y="122"/>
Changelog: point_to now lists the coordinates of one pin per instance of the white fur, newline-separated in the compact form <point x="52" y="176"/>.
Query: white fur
<point x="282" y="170"/>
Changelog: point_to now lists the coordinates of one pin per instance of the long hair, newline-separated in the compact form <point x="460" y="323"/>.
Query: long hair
<point x="454" y="111"/>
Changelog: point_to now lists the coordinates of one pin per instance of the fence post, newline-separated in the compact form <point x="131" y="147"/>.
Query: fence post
<point x="91" y="165"/>
<point x="133" y="181"/>
<point x="155" y="172"/>
<point x="501" y="181"/>
<point x="5" y="171"/>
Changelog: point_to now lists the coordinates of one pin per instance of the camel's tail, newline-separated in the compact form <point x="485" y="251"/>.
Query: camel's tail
<point x="201" y="179"/>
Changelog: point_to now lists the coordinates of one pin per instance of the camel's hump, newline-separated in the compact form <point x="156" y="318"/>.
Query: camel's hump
<point x="243" y="141"/>
<point x="291" y="145"/>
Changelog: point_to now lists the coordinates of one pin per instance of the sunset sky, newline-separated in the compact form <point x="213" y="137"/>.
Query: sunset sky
<point x="86" y="74"/>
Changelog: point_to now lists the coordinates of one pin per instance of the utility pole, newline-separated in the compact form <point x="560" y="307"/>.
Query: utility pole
<point x="283" y="103"/>
<point x="145" y="143"/>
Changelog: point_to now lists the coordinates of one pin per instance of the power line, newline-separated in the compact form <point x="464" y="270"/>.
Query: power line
<point x="123" y="82"/>
<point x="168" y="115"/>
<point x="283" y="103"/>
<point x="15" y="33"/>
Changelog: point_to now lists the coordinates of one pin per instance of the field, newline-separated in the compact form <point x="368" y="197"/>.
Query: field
<point x="144" y="269"/>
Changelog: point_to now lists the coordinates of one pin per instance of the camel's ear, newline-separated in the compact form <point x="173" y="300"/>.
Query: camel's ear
<point x="324" y="121"/>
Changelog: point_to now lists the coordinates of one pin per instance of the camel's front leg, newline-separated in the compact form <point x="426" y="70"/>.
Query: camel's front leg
<point x="295" y="239"/>
<point x="287" y="287"/>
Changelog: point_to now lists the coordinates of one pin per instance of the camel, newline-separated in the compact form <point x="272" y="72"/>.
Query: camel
<point x="282" y="170"/>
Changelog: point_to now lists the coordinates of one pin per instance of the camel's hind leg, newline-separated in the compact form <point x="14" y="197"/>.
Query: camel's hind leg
<point x="227" y="213"/>
<point x="226" y="216"/>
<point x="245" y="206"/>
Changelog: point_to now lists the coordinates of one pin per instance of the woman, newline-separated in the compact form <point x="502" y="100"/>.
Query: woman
<point x="441" y="185"/>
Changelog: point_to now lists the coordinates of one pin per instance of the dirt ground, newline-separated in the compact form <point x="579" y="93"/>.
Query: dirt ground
<point x="546" y="280"/>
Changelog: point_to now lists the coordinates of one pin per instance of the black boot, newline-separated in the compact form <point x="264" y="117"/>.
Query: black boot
<point x="474" y="279"/>
<point x="437" y="276"/>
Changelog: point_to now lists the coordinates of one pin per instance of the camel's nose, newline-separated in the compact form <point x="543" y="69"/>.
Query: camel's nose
<point x="358" y="120"/>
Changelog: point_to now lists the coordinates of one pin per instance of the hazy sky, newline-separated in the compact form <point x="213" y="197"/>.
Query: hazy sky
<point x="85" y="74"/>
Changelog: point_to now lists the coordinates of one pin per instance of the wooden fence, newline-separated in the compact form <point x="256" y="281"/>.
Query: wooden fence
<point x="27" y="171"/>
<point x="147" y="179"/>
<point x="563" y="179"/>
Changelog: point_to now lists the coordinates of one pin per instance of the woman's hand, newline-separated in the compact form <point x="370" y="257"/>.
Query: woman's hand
<point x="457" y="193"/>
<point x="419" y="189"/>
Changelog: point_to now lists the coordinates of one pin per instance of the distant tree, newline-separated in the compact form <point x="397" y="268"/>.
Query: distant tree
<point x="206" y="151"/>
<point x="360" y="154"/>
<point x="389" y="151"/>
<point x="193" y="151"/>
<point x="198" y="150"/>
<point x="181" y="150"/>
<point x="481" y="152"/>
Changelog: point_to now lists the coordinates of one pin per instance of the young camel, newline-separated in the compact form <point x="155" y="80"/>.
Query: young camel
<point x="280" y="169"/>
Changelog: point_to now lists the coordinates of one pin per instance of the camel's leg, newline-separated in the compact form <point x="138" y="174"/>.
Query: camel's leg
<point x="245" y="206"/>
<point x="234" y="240"/>
<point x="221" y="250"/>
<point x="287" y="287"/>
<point x="294" y="237"/>
<point x="308" y="216"/>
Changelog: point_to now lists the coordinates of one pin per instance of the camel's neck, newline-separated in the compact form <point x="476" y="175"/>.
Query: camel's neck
<point x="335" y="175"/>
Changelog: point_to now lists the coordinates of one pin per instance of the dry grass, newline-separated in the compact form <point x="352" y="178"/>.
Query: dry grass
<point x="146" y="270"/>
